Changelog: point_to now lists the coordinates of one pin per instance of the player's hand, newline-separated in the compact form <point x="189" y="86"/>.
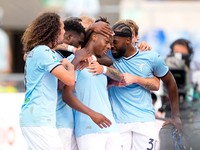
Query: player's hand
<point x="82" y="65"/>
<point x="143" y="46"/>
<point x="96" y="68"/>
<point x="100" y="120"/>
<point x="82" y="54"/>
<point x="66" y="63"/>
<point x="176" y="121"/>
<point x="102" y="28"/>
<point x="129" y="79"/>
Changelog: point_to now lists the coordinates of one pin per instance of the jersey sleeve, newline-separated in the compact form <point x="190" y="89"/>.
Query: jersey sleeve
<point x="71" y="57"/>
<point x="160" y="69"/>
<point x="47" y="60"/>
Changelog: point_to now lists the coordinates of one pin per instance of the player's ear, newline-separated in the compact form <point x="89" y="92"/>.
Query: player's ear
<point x="69" y="37"/>
<point x="128" y="40"/>
<point x="94" y="37"/>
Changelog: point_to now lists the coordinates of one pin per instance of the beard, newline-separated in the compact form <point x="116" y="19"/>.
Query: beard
<point x="120" y="53"/>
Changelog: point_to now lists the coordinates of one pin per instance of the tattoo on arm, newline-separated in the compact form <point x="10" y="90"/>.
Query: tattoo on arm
<point x="114" y="74"/>
<point x="150" y="86"/>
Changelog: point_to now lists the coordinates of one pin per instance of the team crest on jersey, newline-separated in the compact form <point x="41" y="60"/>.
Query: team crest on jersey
<point x="54" y="58"/>
<point x="140" y="66"/>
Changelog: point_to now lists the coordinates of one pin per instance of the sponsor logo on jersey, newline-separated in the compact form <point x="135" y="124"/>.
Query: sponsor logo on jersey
<point x="54" y="58"/>
<point x="140" y="66"/>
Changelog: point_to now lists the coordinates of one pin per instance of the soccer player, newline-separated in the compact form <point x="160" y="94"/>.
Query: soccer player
<point x="132" y="105"/>
<point x="42" y="69"/>
<point x="75" y="36"/>
<point x="91" y="91"/>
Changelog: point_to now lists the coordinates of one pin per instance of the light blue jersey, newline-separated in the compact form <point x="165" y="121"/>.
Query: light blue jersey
<point x="39" y="108"/>
<point x="64" y="113"/>
<point x="91" y="91"/>
<point x="133" y="103"/>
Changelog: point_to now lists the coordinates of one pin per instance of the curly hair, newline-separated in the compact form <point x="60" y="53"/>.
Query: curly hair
<point x="43" y="30"/>
<point x="75" y="26"/>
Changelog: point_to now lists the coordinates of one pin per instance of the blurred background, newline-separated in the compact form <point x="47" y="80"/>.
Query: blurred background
<point x="160" y="23"/>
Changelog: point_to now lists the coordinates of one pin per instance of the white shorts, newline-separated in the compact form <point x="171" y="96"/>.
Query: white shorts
<point x="100" y="141"/>
<point x="67" y="138"/>
<point x="139" y="136"/>
<point x="42" y="138"/>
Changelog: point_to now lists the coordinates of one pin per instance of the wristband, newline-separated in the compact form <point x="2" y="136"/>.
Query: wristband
<point x="93" y="59"/>
<point x="70" y="48"/>
<point x="104" y="69"/>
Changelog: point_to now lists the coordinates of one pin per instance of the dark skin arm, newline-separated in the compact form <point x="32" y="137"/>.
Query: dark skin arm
<point x="111" y="71"/>
<point x="80" y="55"/>
<point x="70" y="99"/>
<point x="99" y="27"/>
<point x="105" y="60"/>
<point x="171" y="86"/>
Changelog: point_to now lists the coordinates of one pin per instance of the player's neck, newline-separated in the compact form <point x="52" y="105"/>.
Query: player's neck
<point x="130" y="51"/>
<point x="90" y="48"/>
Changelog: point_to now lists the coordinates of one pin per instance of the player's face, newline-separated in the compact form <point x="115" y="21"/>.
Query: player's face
<point x="77" y="40"/>
<point x="61" y="36"/>
<point x="102" y="45"/>
<point x="118" y="47"/>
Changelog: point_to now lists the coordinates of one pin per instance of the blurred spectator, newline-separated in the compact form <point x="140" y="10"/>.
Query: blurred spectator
<point x="5" y="60"/>
<point x="5" y="50"/>
<point x="181" y="48"/>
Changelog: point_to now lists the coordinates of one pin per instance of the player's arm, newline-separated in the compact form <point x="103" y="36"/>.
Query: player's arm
<point x="148" y="83"/>
<point x="171" y="86"/>
<point x="65" y="72"/>
<point x="111" y="72"/>
<point x="105" y="60"/>
<point x="80" y="55"/>
<point x="99" y="27"/>
<point x="70" y="99"/>
<point x="67" y="47"/>
<point x="143" y="46"/>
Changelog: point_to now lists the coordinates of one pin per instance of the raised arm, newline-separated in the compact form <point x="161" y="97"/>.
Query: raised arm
<point x="70" y="99"/>
<point x="99" y="27"/>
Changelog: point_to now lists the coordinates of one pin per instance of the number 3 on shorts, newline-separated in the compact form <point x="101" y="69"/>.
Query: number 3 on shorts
<point x="151" y="142"/>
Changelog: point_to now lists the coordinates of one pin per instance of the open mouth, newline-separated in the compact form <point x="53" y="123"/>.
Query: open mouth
<point x="105" y="52"/>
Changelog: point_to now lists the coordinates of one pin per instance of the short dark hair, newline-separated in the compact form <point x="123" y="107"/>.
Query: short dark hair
<point x="103" y="19"/>
<point x="123" y="28"/>
<point x="74" y="18"/>
<point x="75" y="26"/>
<point x="183" y="42"/>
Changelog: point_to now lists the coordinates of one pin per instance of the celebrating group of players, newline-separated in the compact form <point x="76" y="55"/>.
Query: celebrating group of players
<point x="98" y="98"/>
